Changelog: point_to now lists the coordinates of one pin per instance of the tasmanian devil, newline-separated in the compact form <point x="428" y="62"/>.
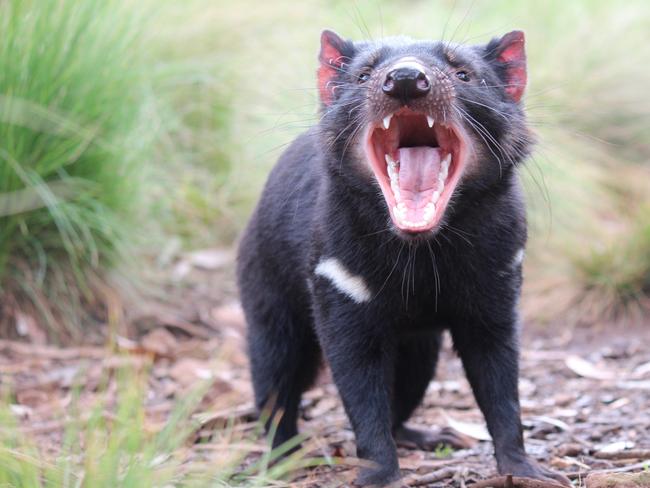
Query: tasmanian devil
<point x="397" y="216"/>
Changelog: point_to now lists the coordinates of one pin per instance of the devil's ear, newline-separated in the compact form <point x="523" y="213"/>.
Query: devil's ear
<point x="335" y="53"/>
<point x="509" y="55"/>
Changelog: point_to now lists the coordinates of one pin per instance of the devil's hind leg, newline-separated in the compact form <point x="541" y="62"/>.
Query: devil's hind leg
<point x="284" y="357"/>
<point x="283" y="351"/>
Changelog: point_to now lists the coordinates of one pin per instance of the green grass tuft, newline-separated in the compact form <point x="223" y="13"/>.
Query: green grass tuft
<point x="71" y="141"/>
<point x="616" y="276"/>
<point x="110" y="444"/>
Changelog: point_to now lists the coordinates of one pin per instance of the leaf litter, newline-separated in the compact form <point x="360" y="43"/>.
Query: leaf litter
<point x="584" y="393"/>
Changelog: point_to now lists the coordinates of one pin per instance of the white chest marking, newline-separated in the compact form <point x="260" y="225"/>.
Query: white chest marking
<point x="351" y="285"/>
<point x="519" y="258"/>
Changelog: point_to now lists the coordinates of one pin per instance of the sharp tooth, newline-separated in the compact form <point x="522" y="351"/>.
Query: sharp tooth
<point x="446" y="161"/>
<point x="399" y="213"/>
<point x="429" y="211"/>
<point x="395" y="187"/>
<point x="430" y="121"/>
<point x="387" y="121"/>
<point x="435" y="197"/>
<point x="390" y="161"/>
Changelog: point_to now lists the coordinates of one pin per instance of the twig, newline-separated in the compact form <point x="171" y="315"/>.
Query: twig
<point x="439" y="475"/>
<point x="32" y="350"/>
<point x="631" y="454"/>
<point x="623" y="469"/>
<point x="510" y="481"/>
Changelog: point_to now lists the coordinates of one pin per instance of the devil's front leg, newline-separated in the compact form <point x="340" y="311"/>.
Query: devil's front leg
<point x="359" y="348"/>
<point x="488" y="346"/>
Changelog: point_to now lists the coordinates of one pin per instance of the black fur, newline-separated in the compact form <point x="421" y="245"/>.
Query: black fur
<point x="319" y="202"/>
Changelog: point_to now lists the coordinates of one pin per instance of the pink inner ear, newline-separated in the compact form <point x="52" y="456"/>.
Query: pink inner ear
<point x="330" y="58"/>
<point x="326" y="90"/>
<point x="514" y="55"/>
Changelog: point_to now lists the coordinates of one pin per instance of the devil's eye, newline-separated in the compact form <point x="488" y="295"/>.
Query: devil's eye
<point x="462" y="75"/>
<point x="364" y="76"/>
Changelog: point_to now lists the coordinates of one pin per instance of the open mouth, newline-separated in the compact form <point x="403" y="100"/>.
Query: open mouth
<point x="418" y="163"/>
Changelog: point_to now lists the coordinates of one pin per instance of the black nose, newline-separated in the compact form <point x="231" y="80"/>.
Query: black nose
<point x="406" y="83"/>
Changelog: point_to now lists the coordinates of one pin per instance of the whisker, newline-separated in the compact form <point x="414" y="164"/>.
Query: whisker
<point x="502" y="114"/>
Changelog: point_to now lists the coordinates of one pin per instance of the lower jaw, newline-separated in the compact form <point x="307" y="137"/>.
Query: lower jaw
<point x="420" y="226"/>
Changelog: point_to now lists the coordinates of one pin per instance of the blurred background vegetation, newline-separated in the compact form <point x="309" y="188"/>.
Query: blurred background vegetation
<point x="126" y="127"/>
<point x="132" y="130"/>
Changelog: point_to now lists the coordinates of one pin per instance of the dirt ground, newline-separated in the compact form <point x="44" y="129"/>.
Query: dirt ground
<point x="585" y="393"/>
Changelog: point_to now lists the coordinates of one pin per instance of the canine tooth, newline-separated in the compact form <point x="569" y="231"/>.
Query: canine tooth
<point x="387" y="121"/>
<point x="430" y="121"/>
<point x="435" y="197"/>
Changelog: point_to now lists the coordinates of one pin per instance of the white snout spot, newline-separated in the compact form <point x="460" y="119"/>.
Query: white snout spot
<point x="409" y="62"/>
<point x="353" y="286"/>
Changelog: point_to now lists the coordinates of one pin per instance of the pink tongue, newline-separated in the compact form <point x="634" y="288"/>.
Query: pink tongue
<point x="418" y="178"/>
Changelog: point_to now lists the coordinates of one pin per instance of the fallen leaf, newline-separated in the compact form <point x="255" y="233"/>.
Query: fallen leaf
<point x="616" y="446"/>
<point x="621" y="402"/>
<point x="555" y="422"/>
<point x="32" y="398"/>
<point x="26" y="326"/>
<point x="244" y="412"/>
<point x="160" y="342"/>
<point x="475" y="431"/>
<point x="567" y="462"/>
<point x="229" y="315"/>
<point x="181" y="270"/>
<point x="570" y="450"/>
<point x="190" y="371"/>
<point x="584" y="368"/>
<point x="641" y="370"/>
<point x="210" y="259"/>
<point x="21" y="411"/>
<point x="634" y="385"/>
<point x="621" y="480"/>
<point x="323" y="406"/>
